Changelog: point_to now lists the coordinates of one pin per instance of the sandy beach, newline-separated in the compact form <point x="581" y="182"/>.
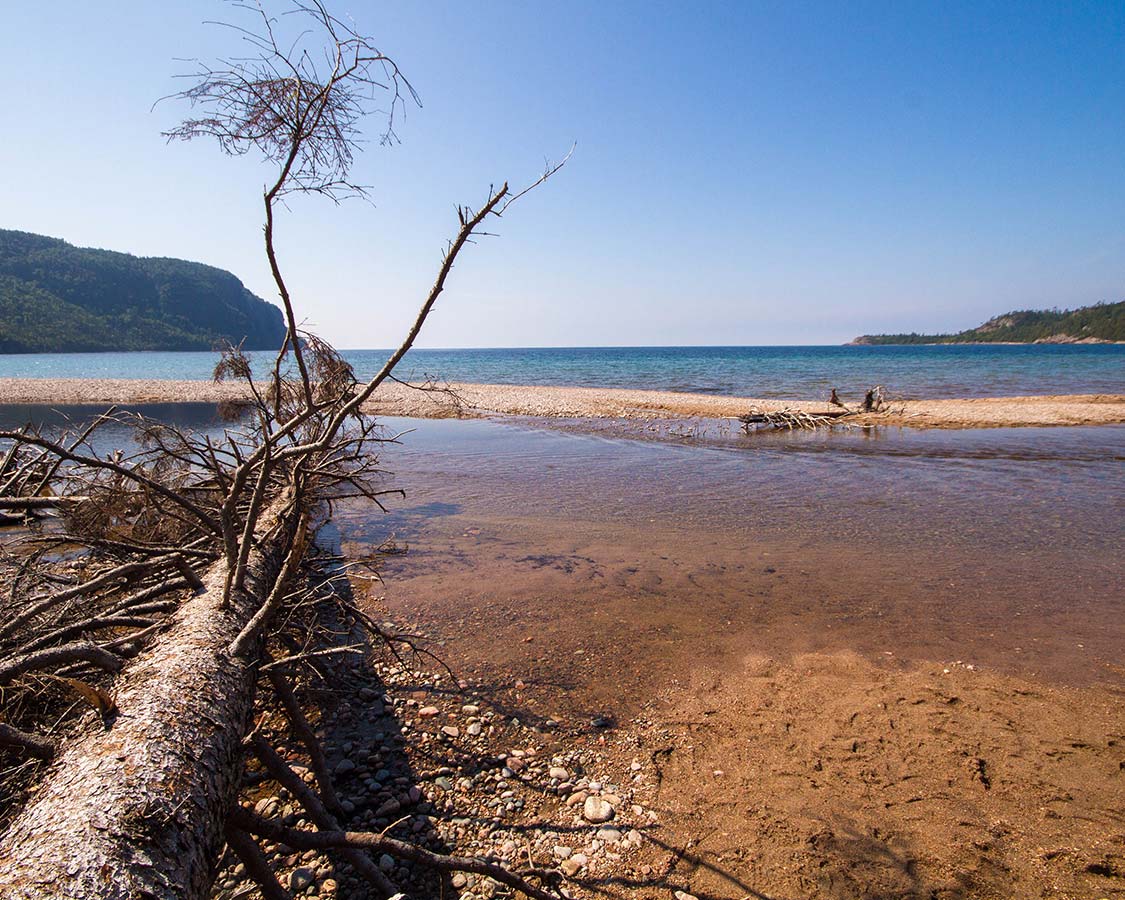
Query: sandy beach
<point x="600" y="403"/>
<point x="795" y="695"/>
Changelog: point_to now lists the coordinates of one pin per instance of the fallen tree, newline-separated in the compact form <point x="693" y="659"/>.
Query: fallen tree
<point x="153" y="601"/>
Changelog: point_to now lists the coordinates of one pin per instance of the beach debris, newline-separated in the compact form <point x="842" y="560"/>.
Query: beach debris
<point x="792" y="419"/>
<point x="874" y="400"/>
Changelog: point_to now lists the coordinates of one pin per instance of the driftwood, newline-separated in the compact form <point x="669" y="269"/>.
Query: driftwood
<point x="874" y="401"/>
<point x="791" y="418"/>
<point x="33" y="503"/>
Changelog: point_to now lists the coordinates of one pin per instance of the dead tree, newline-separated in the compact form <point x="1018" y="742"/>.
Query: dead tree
<point x="191" y="546"/>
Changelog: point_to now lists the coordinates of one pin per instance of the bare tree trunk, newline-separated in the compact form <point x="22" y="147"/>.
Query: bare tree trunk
<point x="137" y="808"/>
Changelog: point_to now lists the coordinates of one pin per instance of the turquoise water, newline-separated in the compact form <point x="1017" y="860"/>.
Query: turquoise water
<point x="782" y="372"/>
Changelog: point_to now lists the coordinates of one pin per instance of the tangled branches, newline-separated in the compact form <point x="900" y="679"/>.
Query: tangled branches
<point x="140" y="623"/>
<point x="838" y="414"/>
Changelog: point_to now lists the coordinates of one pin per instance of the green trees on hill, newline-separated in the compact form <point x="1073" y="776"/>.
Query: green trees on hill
<point x="1101" y="322"/>
<point x="55" y="297"/>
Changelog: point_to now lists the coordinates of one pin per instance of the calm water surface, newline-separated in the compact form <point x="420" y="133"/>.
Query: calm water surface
<point x="767" y="372"/>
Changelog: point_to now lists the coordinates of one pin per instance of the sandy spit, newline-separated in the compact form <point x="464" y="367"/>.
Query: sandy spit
<point x="575" y="402"/>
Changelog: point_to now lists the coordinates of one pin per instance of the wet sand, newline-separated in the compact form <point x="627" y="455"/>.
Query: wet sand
<point x="596" y="403"/>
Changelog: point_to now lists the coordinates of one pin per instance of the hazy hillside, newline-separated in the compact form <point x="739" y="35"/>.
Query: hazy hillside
<point x="55" y="297"/>
<point x="1102" y="323"/>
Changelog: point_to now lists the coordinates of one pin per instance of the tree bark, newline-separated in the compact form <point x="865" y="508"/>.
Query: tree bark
<point x="137" y="808"/>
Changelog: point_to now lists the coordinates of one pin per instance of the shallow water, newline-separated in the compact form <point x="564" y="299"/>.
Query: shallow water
<point x="897" y="480"/>
<point x="1004" y="546"/>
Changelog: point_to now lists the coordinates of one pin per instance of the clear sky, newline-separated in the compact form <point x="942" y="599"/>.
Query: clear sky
<point x="746" y="173"/>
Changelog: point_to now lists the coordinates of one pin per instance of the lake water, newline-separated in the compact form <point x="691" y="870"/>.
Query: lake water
<point x="766" y="372"/>
<point x="1004" y="547"/>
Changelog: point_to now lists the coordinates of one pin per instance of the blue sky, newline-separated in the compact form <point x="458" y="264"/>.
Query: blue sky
<point x="746" y="173"/>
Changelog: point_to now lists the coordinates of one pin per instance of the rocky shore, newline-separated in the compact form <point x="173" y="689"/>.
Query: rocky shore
<point x="432" y="762"/>
<point x="593" y="403"/>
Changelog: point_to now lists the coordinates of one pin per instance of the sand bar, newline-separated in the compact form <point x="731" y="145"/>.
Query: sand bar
<point x="576" y="402"/>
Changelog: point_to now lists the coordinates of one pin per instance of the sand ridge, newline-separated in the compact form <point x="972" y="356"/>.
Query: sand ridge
<point x="577" y="402"/>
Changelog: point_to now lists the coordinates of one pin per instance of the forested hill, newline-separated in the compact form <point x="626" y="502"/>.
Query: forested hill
<point x="1102" y="323"/>
<point x="55" y="297"/>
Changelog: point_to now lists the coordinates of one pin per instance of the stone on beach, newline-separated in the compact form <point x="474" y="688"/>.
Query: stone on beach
<point x="597" y="810"/>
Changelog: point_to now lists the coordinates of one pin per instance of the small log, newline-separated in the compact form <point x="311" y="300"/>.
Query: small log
<point x="32" y="503"/>
<point x="82" y="651"/>
<point x="32" y="744"/>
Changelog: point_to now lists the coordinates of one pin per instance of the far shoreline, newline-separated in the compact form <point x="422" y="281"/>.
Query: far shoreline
<point x="552" y="402"/>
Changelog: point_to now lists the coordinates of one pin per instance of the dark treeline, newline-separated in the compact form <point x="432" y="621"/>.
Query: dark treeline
<point x="1102" y="322"/>
<point x="55" y="297"/>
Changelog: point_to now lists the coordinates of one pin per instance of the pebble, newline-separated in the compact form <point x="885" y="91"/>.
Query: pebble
<point x="570" y="867"/>
<point x="300" y="880"/>
<point x="562" y="852"/>
<point x="450" y="731"/>
<point x="388" y="808"/>
<point x="427" y="712"/>
<point x="558" y="773"/>
<point x="597" y="810"/>
<point x="578" y="797"/>
<point x="609" y="835"/>
<point x="345" y="767"/>
<point x="684" y="895"/>
<point x="474" y="729"/>
<point x="386" y="862"/>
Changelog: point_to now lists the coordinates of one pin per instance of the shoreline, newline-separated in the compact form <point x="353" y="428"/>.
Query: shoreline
<point x="552" y="402"/>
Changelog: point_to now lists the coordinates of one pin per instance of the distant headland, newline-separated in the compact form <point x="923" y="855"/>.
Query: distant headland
<point x="58" y="298"/>
<point x="1103" y="323"/>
